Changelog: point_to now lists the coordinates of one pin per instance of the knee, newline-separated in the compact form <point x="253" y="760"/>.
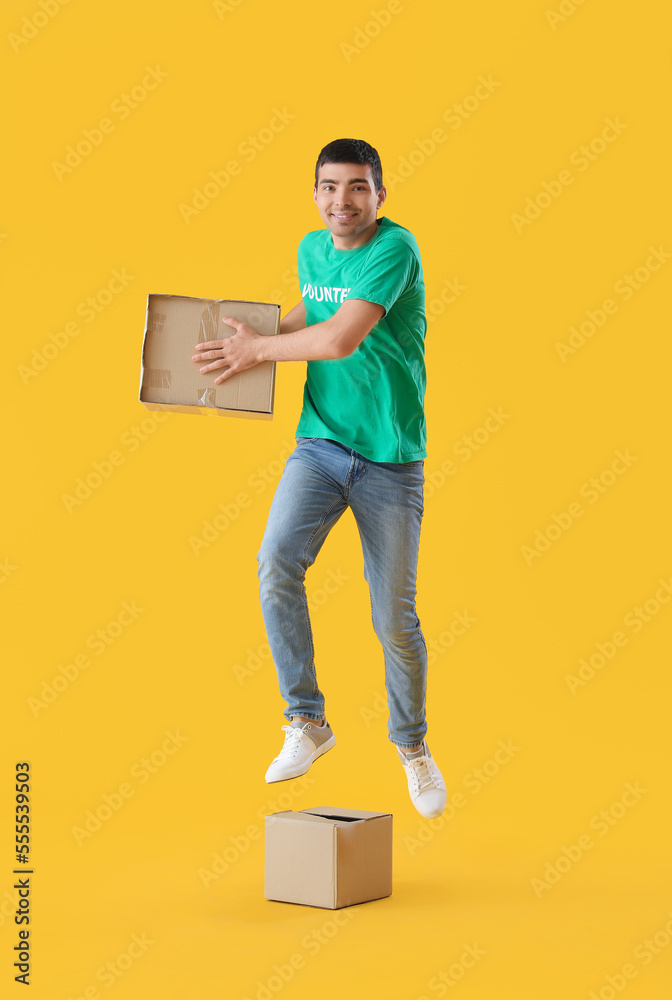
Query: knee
<point x="276" y="561"/>
<point x="398" y="632"/>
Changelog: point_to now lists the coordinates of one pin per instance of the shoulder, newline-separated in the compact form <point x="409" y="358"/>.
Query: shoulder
<point x="395" y="249"/>
<point x="313" y="239"/>
<point x="395" y="239"/>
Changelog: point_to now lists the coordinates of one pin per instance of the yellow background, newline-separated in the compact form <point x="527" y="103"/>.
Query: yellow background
<point x="68" y="570"/>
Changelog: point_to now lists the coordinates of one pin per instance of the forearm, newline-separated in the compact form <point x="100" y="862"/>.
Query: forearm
<point x="313" y="343"/>
<point x="336" y="337"/>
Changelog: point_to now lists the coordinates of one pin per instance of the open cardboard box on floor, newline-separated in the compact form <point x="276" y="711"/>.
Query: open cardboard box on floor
<point x="328" y="856"/>
<point x="170" y="380"/>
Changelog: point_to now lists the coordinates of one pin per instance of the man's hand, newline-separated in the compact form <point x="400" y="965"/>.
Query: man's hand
<point x="239" y="351"/>
<point x="330" y="340"/>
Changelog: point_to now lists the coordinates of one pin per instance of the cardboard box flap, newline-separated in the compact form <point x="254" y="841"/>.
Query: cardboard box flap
<point x="336" y="813"/>
<point x="306" y="817"/>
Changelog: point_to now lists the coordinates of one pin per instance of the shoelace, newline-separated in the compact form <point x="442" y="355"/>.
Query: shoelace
<point x="292" y="742"/>
<point x="422" y="776"/>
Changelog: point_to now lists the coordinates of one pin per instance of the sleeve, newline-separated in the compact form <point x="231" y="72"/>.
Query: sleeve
<point x="387" y="274"/>
<point x="300" y="259"/>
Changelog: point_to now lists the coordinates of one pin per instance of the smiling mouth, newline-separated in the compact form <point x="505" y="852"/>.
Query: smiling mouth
<point x="342" y="217"/>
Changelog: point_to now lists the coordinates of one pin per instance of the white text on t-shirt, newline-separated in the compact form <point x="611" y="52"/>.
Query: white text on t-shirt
<point x="324" y="293"/>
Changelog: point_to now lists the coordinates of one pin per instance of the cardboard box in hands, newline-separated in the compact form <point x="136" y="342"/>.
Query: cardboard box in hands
<point x="170" y="380"/>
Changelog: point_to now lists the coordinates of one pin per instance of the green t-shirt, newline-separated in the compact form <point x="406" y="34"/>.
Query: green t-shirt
<point x="372" y="400"/>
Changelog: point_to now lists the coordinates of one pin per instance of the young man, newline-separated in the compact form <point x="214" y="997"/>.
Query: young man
<point x="360" y="443"/>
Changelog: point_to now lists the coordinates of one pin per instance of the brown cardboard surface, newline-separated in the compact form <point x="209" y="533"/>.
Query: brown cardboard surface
<point x="300" y="862"/>
<point x="364" y="860"/>
<point x="170" y="380"/>
<point x="328" y="856"/>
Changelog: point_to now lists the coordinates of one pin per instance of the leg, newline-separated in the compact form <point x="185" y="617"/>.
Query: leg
<point x="388" y="506"/>
<point x="307" y="503"/>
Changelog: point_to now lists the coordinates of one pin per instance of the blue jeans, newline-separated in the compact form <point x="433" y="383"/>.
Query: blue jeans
<point x="321" y="478"/>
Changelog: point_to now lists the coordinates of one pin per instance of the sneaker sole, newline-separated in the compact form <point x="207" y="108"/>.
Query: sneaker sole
<point x="299" y="769"/>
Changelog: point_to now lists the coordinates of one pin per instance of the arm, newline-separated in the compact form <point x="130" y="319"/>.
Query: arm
<point x="294" y="320"/>
<point x="336" y="337"/>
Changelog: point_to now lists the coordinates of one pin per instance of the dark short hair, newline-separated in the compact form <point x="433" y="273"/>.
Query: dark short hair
<point x="351" y="151"/>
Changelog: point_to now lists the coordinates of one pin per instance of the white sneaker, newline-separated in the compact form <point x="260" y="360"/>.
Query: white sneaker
<point x="304" y="743"/>
<point x="425" y="782"/>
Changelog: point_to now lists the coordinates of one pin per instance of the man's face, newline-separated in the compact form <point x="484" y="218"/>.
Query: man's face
<point x="347" y="202"/>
